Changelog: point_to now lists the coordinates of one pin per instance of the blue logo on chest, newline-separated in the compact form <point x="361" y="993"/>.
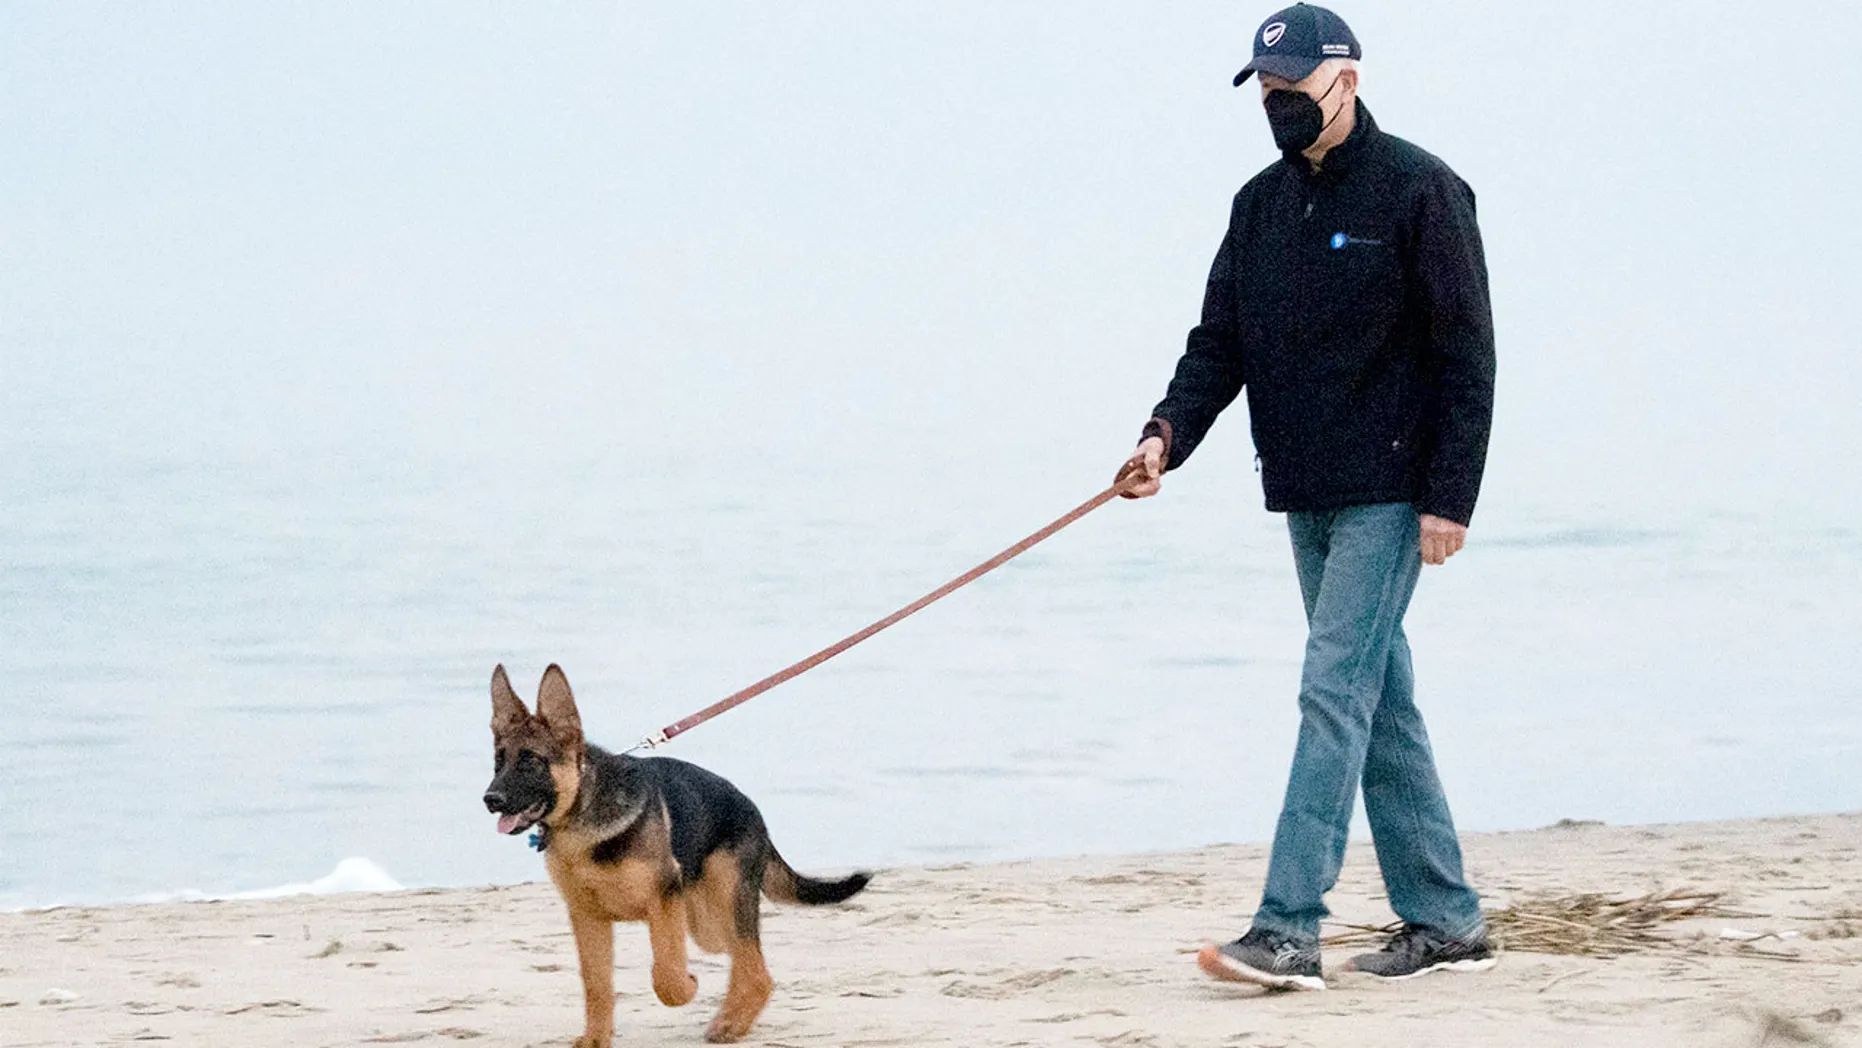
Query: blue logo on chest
<point x="1342" y="240"/>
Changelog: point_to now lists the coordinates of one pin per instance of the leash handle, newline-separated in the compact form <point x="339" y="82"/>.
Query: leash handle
<point x="1129" y="474"/>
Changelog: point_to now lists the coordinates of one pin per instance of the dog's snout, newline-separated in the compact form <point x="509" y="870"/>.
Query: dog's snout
<point x="494" y="800"/>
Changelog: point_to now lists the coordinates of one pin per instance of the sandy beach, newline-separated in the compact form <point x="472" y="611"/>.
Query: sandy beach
<point x="1082" y="951"/>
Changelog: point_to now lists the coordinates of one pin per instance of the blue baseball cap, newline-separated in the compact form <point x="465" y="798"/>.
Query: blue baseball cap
<point x="1294" y="42"/>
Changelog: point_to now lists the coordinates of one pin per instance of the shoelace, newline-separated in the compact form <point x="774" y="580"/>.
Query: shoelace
<point x="1410" y="940"/>
<point x="1286" y="951"/>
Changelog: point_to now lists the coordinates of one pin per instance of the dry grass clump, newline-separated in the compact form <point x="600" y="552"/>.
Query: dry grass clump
<point x="1586" y="925"/>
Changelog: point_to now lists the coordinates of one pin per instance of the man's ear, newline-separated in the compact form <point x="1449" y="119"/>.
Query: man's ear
<point x="507" y="710"/>
<point x="556" y="708"/>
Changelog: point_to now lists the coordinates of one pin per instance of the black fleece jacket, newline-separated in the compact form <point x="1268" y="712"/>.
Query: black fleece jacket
<point x="1351" y="303"/>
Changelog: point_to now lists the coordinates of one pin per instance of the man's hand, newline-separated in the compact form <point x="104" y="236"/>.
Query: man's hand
<point x="1148" y="460"/>
<point x="1441" y="539"/>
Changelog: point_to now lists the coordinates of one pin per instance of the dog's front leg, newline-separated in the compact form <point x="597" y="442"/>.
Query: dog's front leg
<point x="594" y="948"/>
<point x="672" y="979"/>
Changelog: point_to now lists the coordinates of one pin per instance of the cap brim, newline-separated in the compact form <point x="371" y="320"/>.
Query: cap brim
<point x="1286" y="67"/>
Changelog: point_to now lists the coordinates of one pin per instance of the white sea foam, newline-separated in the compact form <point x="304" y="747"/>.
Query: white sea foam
<point x="354" y="874"/>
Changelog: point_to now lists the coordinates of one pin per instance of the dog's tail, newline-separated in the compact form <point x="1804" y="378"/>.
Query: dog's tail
<point x="783" y="884"/>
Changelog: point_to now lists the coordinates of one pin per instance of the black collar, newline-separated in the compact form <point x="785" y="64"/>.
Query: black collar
<point x="1345" y="155"/>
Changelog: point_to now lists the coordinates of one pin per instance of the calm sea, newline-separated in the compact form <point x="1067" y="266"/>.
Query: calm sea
<point x="228" y="673"/>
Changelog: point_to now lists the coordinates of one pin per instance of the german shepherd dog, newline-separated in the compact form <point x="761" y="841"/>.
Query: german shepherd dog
<point x="642" y="839"/>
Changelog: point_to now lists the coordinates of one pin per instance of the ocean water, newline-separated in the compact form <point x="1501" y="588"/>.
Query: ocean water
<point x="227" y="673"/>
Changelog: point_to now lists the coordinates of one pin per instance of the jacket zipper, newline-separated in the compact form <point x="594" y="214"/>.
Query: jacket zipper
<point x="1300" y="255"/>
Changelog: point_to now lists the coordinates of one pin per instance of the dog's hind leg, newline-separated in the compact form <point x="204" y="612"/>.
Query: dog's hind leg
<point x="594" y="948"/>
<point x="750" y="985"/>
<point x="673" y="981"/>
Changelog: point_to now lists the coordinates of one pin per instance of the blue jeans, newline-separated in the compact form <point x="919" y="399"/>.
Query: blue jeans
<point x="1358" y="721"/>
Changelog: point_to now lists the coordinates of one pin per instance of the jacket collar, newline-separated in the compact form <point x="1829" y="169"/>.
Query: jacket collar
<point x="1345" y="155"/>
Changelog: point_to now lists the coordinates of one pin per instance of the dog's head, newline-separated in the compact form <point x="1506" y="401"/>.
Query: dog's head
<point x="536" y="758"/>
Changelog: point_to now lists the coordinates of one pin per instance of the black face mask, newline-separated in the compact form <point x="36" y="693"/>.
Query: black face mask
<point x="1296" y="119"/>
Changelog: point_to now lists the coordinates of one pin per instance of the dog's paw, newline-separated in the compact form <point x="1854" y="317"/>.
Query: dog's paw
<point x="589" y="1040"/>
<point x="676" y="990"/>
<point x="728" y="1028"/>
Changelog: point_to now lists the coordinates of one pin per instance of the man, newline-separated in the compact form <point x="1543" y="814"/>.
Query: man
<point x="1349" y="299"/>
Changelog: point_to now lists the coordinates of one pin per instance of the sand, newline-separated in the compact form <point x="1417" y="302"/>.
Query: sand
<point x="1085" y="951"/>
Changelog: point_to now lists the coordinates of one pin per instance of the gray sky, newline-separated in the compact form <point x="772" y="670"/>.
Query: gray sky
<point x="893" y="230"/>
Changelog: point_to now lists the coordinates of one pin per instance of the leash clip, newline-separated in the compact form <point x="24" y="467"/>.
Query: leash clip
<point x="651" y="742"/>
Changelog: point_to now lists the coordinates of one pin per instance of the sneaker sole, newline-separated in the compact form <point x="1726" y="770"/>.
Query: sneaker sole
<point x="1446" y="966"/>
<point x="1220" y="966"/>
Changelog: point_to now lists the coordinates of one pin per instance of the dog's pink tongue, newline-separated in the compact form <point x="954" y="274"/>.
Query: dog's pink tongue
<point x="507" y="823"/>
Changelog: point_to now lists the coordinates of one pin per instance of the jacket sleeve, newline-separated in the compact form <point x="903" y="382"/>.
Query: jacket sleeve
<point x="1208" y="376"/>
<point x="1452" y="271"/>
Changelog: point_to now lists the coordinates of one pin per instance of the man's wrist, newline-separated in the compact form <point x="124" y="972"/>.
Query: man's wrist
<point x="1456" y="517"/>
<point x="1159" y="428"/>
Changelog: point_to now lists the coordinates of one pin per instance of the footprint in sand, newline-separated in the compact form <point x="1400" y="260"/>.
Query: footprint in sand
<point x="148" y="1008"/>
<point x="283" y="1009"/>
<point x="886" y="919"/>
<point x="450" y="1004"/>
<point x="1008" y="987"/>
<point x="1071" y="1017"/>
<point x="1143" y="877"/>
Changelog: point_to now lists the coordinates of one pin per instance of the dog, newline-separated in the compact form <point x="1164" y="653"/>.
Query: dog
<point x="642" y="839"/>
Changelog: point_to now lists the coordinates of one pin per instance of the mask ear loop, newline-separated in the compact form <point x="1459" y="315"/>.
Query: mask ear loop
<point x="1328" y="94"/>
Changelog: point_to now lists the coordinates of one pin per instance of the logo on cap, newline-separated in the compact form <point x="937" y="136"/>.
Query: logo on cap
<point x="1272" y="34"/>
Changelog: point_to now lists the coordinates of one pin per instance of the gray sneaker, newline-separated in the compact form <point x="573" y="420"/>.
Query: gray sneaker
<point x="1265" y="959"/>
<point x="1418" y="951"/>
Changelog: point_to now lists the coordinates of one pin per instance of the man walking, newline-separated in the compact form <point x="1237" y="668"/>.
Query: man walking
<point x="1349" y="298"/>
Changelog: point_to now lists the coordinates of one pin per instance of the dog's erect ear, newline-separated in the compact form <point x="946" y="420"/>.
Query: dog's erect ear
<point x="507" y="710"/>
<point x="556" y="707"/>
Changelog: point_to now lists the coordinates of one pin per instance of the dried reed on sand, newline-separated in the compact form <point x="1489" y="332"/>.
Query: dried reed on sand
<point x="1585" y="925"/>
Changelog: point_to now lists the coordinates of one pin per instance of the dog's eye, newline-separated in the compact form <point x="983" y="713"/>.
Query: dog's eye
<point x="497" y="761"/>
<point x="528" y="759"/>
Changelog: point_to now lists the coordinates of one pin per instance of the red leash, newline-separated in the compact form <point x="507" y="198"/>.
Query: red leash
<point x="736" y="699"/>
